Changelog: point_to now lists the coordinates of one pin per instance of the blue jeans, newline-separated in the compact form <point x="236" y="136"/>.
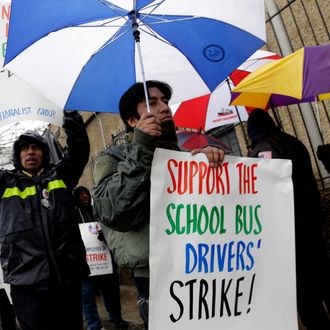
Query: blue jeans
<point x="108" y="286"/>
<point x="142" y="285"/>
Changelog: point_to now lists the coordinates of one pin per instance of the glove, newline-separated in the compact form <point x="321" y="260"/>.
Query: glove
<point x="100" y="236"/>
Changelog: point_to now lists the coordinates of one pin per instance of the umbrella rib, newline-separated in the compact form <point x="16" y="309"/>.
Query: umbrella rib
<point x="113" y="38"/>
<point x="104" y="24"/>
<point x="150" y="32"/>
<point x="162" y="20"/>
<point x="114" y="8"/>
<point x="155" y="5"/>
<point x="153" y="34"/>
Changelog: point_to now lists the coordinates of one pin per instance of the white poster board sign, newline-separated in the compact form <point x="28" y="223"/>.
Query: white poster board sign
<point x="97" y="252"/>
<point x="4" y="285"/>
<point x="221" y="244"/>
<point x="18" y="100"/>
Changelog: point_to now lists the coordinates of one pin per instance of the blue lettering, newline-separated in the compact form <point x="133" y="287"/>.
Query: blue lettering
<point x="14" y="112"/>
<point x="230" y="256"/>
<point x="250" y="256"/>
<point x="203" y="250"/>
<point x="190" y="248"/>
<point x="46" y="113"/>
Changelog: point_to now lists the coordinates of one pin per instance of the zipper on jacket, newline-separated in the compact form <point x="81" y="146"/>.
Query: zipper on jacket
<point x="45" y="229"/>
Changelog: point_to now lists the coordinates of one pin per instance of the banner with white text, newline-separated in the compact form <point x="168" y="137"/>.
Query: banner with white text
<point x="19" y="101"/>
<point x="221" y="244"/>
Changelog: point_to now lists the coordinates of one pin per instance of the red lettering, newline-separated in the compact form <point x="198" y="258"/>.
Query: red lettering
<point x="183" y="178"/>
<point x="92" y="257"/>
<point x="247" y="178"/>
<point x="175" y="164"/>
<point x="5" y="12"/>
<point x="186" y="176"/>
<point x="193" y="171"/>
<point x="202" y="173"/>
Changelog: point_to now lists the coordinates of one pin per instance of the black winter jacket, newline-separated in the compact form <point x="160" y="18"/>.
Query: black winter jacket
<point x="307" y="207"/>
<point x="41" y="242"/>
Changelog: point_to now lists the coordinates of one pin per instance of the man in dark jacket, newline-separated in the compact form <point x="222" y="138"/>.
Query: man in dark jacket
<point x="122" y="179"/>
<point x="312" y="264"/>
<point x="42" y="254"/>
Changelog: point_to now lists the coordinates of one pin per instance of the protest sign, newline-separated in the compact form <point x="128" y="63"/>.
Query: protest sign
<point x="97" y="252"/>
<point x="19" y="101"/>
<point x="4" y="286"/>
<point x="221" y="244"/>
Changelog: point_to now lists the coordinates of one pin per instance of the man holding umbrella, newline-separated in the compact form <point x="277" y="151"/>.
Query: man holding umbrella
<point x="122" y="179"/>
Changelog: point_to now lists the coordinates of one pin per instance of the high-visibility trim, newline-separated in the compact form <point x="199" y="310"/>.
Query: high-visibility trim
<point x="28" y="191"/>
<point x="56" y="184"/>
<point x="31" y="191"/>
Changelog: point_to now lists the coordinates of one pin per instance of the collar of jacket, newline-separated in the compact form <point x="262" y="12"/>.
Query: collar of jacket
<point x="31" y="175"/>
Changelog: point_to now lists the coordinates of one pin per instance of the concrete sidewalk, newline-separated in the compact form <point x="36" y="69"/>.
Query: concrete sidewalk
<point x="129" y="307"/>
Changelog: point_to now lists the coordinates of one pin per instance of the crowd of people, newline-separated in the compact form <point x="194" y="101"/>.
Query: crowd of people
<point x="43" y="256"/>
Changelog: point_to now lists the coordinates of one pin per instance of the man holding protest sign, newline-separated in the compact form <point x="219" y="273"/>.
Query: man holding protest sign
<point x="312" y="264"/>
<point x="122" y="179"/>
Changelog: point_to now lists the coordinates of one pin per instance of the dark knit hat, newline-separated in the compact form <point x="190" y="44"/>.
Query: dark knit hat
<point x="76" y="192"/>
<point x="259" y="124"/>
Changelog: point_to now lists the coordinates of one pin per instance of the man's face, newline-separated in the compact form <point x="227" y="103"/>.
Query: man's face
<point x="84" y="198"/>
<point x="158" y="104"/>
<point x="31" y="157"/>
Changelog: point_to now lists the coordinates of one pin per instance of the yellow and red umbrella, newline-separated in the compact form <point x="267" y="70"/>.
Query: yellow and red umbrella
<point x="303" y="76"/>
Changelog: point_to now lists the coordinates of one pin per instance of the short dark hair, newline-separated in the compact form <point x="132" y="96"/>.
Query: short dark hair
<point x="134" y="95"/>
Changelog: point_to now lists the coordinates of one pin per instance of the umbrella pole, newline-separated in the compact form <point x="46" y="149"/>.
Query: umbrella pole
<point x="275" y="114"/>
<point x="101" y="129"/>
<point x="239" y="118"/>
<point x="318" y="115"/>
<point x="136" y="34"/>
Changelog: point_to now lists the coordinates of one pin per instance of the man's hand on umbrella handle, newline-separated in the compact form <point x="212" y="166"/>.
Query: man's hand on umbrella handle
<point x="214" y="155"/>
<point x="150" y="124"/>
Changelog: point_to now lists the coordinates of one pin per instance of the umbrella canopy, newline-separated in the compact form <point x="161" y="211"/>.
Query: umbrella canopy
<point x="302" y="76"/>
<point x="213" y="110"/>
<point x="192" y="140"/>
<point x="82" y="54"/>
<point x="18" y="100"/>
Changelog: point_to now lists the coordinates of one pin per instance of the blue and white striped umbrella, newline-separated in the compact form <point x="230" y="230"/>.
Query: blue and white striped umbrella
<point x="82" y="54"/>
